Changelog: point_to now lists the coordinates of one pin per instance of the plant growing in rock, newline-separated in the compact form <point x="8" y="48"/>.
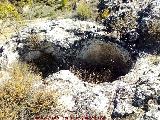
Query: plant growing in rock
<point x="33" y="40"/>
<point x="92" y="74"/>
<point x="122" y="23"/>
<point x="103" y="14"/>
<point x="133" y="116"/>
<point x="150" y="36"/>
<point x="18" y="99"/>
<point x="154" y="30"/>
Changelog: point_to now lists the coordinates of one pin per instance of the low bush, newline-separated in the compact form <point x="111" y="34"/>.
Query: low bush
<point x="84" y="11"/>
<point x="18" y="98"/>
<point x="9" y="11"/>
<point x="103" y="14"/>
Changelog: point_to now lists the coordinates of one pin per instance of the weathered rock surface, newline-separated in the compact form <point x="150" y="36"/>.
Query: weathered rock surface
<point x="138" y="90"/>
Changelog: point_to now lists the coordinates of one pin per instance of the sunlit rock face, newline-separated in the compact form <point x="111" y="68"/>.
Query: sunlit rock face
<point x="121" y="90"/>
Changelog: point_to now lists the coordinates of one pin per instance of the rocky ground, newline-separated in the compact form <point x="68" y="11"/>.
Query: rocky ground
<point x="94" y="72"/>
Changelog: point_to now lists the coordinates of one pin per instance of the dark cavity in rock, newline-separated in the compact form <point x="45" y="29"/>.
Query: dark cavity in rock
<point x="102" y="62"/>
<point x="95" y="62"/>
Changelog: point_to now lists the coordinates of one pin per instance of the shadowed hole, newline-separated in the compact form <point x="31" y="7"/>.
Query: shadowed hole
<point x="95" y="63"/>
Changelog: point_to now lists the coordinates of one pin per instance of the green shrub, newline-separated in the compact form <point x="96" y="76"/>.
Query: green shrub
<point x="66" y="4"/>
<point x="103" y="14"/>
<point x="7" y="10"/>
<point x="84" y="11"/>
<point x="49" y="9"/>
<point x="21" y="2"/>
<point x="40" y="11"/>
<point x="45" y="2"/>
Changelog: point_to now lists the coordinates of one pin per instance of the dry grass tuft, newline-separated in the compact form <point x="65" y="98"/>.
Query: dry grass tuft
<point x="42" y="102"/>
<point x="17" y="97"/>
<point x="92" y="74"/>
<point x="34" y="40"/>
<point x="154" y="30"/>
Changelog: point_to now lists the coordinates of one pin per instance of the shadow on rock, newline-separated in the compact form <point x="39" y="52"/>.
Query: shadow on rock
<point x="92" y="60"/>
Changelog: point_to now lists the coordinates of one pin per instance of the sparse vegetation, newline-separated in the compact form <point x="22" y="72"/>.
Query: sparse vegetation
<point x="31" y="9"/>
<point x="9" y="11"/>
<point x="103" y="14"/>
<point x="154" y="30"/>
<point x="84" y="11"/>
<point x="64" y="3"/>
<point x="19" y="99"/>
<point x="135" y="115"/>
<point x="17" y="95"/>
<point x="34" y="40"/>
<point x="123" y="23"/>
